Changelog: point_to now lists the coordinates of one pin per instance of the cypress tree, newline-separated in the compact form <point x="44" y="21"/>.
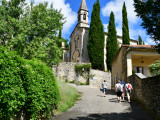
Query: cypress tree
<point x="125" y="28"/>
<point x="139" y="40"/>
<point x="60" y="38"/>
<point x="96" y="39"/>
<point x="143" y="43"/>
<point x="112" y="44"/>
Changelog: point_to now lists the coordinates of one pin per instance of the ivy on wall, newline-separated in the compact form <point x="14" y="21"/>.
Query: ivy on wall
<point x="83" y="70"/>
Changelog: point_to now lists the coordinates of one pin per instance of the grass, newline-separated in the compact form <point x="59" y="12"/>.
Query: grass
<point x="69" y="95"/>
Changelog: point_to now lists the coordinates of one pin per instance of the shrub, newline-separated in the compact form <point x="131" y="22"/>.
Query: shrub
<point x="26" y="85"/>
<point x="12" y="92"/>
<point x="42" y="89"/>
<point x="83" y="70"/>
<point x="80" y="69"/>
<point x="155" y="68"/>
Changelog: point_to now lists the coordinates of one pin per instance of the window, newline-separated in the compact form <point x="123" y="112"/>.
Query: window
<point x="140" y="70"/>
<point x="84" y="17"/>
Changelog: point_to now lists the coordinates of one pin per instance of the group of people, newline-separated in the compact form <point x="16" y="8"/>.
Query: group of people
<point x="120" y="88"/>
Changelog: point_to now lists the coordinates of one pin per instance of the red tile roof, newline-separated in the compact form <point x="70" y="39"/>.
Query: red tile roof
<point x="139" y="46"/>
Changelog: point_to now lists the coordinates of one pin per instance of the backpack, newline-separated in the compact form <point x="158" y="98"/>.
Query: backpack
<point x="128" y="87"/>
<point x="119" y="88"/>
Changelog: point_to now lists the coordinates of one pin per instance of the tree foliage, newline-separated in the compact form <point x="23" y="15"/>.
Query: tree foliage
<point x="112" y="44"/>
<point x="125" y="28"/>
<point x="140" y="40"/>
<point x="27" y="86"/>
<point x="155" y="68"/>
<point x="96" y="39"/>
<point x="150" y="16"/>
<point x="31" y="30"/>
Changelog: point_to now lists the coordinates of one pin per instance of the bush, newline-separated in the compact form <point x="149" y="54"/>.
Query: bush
<point x="26" y="85"/>
<point x="155" y="68"/>
<point x="12" y="92"/>
<point x="80" y="69"/>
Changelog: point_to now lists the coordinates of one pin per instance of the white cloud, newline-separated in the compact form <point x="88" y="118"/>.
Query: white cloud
<point x="134" y="28"/>
<point x="116" y="7"/>
<point x="66" y="10"/>
<point x="105" y="27"/>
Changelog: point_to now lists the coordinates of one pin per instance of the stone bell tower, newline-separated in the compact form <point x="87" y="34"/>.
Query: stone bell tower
<point x="79" y="37"/>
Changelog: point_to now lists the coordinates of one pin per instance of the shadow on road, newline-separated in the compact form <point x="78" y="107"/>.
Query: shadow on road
<point x="108" y="92"/>
<point x="136" y="113"/>
<point x="114" y="116"/>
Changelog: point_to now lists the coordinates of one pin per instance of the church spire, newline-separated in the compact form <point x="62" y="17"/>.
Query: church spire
<point x="83" y="15"/>
<point x="83" y="6"/>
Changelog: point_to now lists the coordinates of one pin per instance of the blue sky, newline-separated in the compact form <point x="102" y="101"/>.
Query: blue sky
<point x="70" y="8"/>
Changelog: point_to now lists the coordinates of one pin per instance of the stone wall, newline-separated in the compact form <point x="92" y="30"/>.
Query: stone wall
<point x="66" y="71"/>
<point x="99" y="77"/>
<point x="147" y="91"/>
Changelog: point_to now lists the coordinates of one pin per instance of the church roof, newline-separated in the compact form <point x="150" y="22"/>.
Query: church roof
<point x="83" y="6"/>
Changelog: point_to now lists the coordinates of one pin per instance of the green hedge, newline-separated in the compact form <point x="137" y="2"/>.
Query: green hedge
<point x="155" y="68"/>
<point x="27" y="86"/>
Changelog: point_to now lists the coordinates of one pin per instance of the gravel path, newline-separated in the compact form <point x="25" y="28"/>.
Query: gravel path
<point x="94" y="106"/>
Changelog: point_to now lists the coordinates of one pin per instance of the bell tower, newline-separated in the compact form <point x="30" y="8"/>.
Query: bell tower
<point x="79" y="37"/>
<point x="83" y="15"/>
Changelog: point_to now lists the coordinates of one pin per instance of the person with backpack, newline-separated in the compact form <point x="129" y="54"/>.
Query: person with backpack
<point x="123" y="92"/>
<point x="128" y="88"/>
<point x="119" y="89"/>
<point x="104" y="85"/>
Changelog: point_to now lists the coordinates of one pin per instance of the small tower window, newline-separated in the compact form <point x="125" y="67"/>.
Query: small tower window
<point x="84" y="17"/>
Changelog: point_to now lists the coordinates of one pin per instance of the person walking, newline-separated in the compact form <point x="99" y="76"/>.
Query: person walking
<point x="119" y="89"/>
<point x="128" y="88"/>
<point x="123" y="92"/>
<point x="104" y="84"/>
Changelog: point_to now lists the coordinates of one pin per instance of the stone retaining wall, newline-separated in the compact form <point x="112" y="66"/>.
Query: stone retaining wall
<point x="147" y="91"/>
<point x="66" y="71"/>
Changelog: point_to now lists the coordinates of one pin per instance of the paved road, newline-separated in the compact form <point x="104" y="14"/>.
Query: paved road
<point x="94" y="106"/>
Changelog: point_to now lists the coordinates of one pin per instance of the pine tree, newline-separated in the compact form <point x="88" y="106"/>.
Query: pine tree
<point x="96" y="39"/>
<point x="139" y="40"/>
<point x="125" y="28"/>
<point x="112" y="44"/>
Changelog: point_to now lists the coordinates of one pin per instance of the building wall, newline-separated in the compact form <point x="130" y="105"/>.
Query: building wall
<point x="118" y="67"/>
<point x="147" y="91"/>
<point x="66" y="70"/>
<point x="85" y="57"/>
<point x="127" y="60"/>
<point x="75" y="44"/>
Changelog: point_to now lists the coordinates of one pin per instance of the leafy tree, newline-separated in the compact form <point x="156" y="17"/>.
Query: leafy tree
<point x="125" y="28"/>
<point x="155" y="68"/>
<point x="112" y="44"/>
<point x="34" y="32"/>
<point x="140" y="40"/>
<point x="150" y="16"/>
<point x="10" y="14"/>
<point x="96" y="39"/>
